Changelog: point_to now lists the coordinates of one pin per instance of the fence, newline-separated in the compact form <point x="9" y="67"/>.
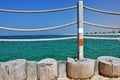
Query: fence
<point x="79" y="22"/>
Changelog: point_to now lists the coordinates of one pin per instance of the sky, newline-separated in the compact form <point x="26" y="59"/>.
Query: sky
<point x="15" y="20"/>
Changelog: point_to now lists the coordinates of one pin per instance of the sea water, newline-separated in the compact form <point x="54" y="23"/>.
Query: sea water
<point x="59" y="50"/>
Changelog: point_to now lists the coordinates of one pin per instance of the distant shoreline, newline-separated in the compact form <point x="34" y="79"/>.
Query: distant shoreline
<point x="104" y="34"/>
<point x="61" y="34"/>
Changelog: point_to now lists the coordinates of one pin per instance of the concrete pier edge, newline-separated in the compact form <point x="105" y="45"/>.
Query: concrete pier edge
<point x="50" y="69"/>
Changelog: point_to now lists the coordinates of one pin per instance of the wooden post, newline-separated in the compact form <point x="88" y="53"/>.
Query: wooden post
<point x="80" y="30"/>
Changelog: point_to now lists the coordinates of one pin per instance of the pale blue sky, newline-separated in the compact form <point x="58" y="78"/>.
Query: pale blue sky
<point x="57" y="18"/>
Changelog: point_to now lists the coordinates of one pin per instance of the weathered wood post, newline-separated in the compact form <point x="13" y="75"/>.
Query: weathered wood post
<point x="80" y="68"/>
<point x="80" y="30"/>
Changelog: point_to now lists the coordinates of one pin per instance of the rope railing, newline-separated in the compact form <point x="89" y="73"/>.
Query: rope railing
<point x="55" y="10"/>
<point x="102" y="11"/>
<point x="37" y="11"/>
<point x="79" y="38"/>
<point x="57" y="27"/>
<point x="101" y="26"/>
<point x="38" y="29"/>
<point x="56" y="39"/>
<point x="101" y="38"/>
<point x="35" y="40"/>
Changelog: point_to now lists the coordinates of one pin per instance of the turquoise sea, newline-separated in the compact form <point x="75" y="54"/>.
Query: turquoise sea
<point x="59" y="50"/>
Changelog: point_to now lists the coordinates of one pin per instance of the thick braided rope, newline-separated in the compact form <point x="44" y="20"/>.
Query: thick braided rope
<point x="37" y="11"/>
<point x="39" y="29"/>
<point x="55" y="39"/>
<point x="57" y="27"/>
<point x="102" y="11"/>
<point x="101" y="38"/>
<point x="101" y="26"/>
<point x="59" y="9"/>
<point x="35" y="40"/>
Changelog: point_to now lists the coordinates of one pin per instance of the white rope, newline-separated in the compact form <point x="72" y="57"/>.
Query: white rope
<point x="55" y="10"/>
<point x="57" y="27"/>
<point x="39" y="29"/>
<point x="101" y="38"/>
<point x="102" y="11"/>
<point x="101" y="26"/>
<point x="37" y="11"/>
<point x="56" y="39"/>
<point x="35" y="40"/>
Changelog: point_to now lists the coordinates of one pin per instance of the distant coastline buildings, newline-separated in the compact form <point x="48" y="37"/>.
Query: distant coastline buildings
<point x="109" y="32"/>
